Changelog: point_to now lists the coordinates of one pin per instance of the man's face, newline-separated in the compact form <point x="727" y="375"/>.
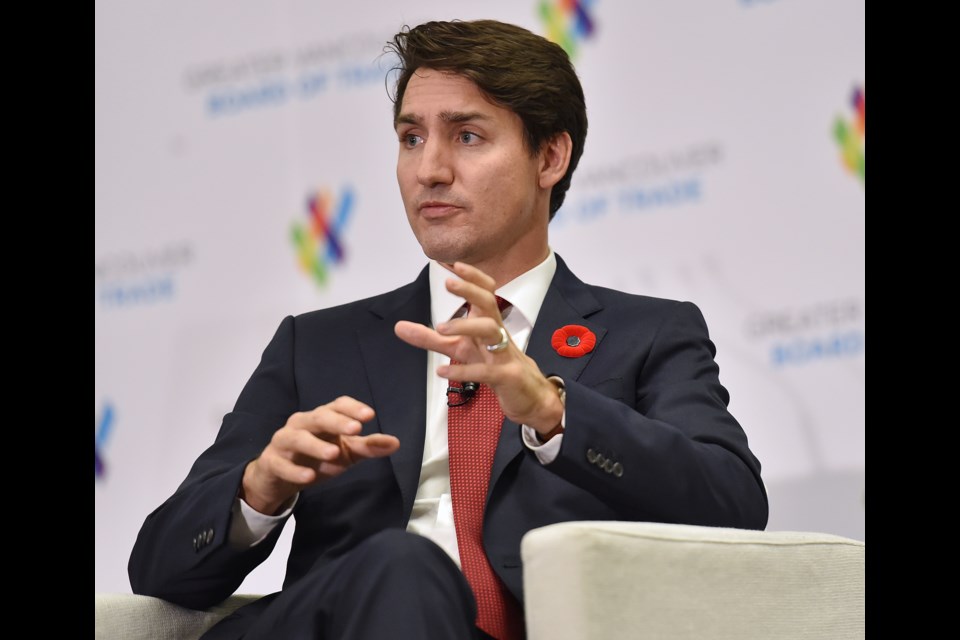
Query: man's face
<point x="469" y="183"/>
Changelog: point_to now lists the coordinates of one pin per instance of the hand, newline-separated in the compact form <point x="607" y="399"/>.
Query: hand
<point x="524" y="393"/>
<point x="311" y="447"/>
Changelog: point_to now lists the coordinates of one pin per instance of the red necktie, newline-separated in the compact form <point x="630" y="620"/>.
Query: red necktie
<point x="473" y="429"/>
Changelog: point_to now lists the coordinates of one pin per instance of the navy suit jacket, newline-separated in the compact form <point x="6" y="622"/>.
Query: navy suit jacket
<point x="647" y="397"/>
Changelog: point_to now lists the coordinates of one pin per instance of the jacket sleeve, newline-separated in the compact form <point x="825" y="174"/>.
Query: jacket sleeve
<point x="671" y="452"/>
<point x="182" y="553"/>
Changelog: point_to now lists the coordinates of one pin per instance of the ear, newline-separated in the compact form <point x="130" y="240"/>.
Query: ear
<point x="554" y="159"/>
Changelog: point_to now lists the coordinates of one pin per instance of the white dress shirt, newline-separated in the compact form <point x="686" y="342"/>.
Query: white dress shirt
<point x="432" y="514"/>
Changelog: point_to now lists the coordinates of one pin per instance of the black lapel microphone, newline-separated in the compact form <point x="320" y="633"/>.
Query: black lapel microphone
<point x="465" y="392"/>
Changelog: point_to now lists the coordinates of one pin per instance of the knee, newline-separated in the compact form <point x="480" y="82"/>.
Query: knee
<point x="401" y="584"/>
<point x="414" y="562"/>
<point x="396" y="548"/>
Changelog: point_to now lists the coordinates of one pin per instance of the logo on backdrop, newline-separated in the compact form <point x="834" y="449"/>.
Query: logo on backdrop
<point x="318" y="240"/>
<point x="268" y="78"/>
<point x="102" y="426"/>
<point x="135" y="278"/>
<point x="567" y="22"/>
<point x="826" y="330"/>
<point x="641" y="184"/>
<point x="850" y="134"/>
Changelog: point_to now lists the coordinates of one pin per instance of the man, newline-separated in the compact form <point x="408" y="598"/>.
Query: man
<point x="366" y="421"/>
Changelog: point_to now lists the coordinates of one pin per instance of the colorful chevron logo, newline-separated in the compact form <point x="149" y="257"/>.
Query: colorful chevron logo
<point x="850" y="135"/>
<point x="319" y="240"/>
<point x="567" y="22"/>
<point x="103" y="425"/>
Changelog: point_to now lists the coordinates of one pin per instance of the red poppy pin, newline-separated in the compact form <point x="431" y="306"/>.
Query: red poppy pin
<point x="573" y="341"/>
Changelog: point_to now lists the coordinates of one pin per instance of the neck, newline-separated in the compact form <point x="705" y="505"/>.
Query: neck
<point x="505" y="268"/>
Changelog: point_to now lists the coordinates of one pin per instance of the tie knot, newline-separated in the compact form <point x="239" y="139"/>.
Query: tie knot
<point x="502" y="304"/>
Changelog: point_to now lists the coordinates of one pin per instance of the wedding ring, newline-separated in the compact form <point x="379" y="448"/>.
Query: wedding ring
<point x="504" y="341"/>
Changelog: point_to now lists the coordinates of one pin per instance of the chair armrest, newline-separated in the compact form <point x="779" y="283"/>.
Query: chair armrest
<point x="648" y="580"/>
<point x="124" y="616"/>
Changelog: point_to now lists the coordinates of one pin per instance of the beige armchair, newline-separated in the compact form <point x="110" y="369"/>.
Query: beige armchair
<point x="606" y="580"/>
<point x="124" y="616"/>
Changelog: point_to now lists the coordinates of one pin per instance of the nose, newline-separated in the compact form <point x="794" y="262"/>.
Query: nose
<point x="435" y="167"/>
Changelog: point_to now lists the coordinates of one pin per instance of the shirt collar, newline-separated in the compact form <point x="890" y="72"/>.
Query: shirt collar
<point x="525" y="292"/>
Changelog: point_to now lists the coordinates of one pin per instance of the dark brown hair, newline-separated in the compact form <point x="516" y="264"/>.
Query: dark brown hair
<point x="515" y="68"/>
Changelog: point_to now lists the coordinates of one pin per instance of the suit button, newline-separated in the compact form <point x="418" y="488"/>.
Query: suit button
<point x="600" y="460"/>
<point x="196" y="545"/>
<point x="209" y="536"/>
<point x="618" y="470"/>
<point x="591" y="456"/>
<point x="608" y="465"/>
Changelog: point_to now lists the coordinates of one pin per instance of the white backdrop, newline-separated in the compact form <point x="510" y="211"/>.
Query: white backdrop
<point x="714" y="171"/>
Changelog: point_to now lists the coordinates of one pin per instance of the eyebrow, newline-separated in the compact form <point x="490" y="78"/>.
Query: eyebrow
<point x="455" y="117"/>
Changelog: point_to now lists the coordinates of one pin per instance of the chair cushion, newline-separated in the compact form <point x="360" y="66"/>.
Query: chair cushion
<point x="124" y="616"/>
<point x="650" y="580"/>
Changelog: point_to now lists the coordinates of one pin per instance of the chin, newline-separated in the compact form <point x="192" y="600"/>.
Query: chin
<point x="443" y="249"/>
<point x="448" y="257"/>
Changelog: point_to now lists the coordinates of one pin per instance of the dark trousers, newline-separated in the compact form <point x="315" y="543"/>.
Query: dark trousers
<point x="395" y="585"/>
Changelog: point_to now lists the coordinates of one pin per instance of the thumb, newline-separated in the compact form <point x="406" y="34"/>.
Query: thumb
<point x="375" y="445"/>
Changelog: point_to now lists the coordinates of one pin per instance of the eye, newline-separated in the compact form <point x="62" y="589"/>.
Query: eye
<point x="410" y="140"/>
<point x="468" y="137"/>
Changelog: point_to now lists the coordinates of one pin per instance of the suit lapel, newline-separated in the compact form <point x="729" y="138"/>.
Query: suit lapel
<point x="568" y="301"/>
<point x="396" y="373"/>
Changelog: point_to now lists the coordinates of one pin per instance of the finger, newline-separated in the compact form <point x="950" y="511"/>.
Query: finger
<point x="475" y="286"/>
<point x="310" y="449"/>
<point x="424" y="337"/>
<point x="323" y="422"/>
<point x="343" y="416"/>
<point x="375" y="445"/>
<point x="485" y="330"/>
<point x="287" y="470"/>
<point x="352" y="407"/>
<point x="474" y="275"/>
<point x="482" y="301"/>
<point x="487" y="374"/>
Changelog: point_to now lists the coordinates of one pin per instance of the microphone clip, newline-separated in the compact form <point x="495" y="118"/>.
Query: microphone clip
<point x="466" y="392"/>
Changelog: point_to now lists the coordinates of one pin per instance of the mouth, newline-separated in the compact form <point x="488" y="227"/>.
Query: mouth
<point x="437" y="209"/>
